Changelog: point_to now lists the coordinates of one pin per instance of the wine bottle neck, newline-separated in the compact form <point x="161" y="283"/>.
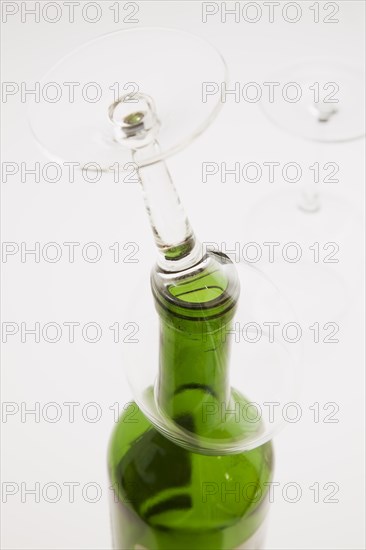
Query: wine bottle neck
<point x="196" y="311"/>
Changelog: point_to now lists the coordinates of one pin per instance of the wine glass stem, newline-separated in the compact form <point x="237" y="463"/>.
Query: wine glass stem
<point x="174" y="237"/>
<point x="309" y="199"/>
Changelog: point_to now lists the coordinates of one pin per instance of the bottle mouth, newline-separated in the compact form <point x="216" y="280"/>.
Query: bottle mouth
<point x="205" y="291"/>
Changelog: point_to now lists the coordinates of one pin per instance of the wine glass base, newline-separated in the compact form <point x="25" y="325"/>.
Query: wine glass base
<point x="321" y="100"/>
<point x="123" y="64"/>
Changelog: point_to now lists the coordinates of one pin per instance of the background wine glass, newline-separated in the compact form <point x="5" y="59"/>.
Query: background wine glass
<point x="323" y="102"/>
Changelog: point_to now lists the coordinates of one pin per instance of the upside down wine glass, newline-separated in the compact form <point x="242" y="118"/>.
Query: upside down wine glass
<point x="326" y="105"/>
<point x="207" y="367"/>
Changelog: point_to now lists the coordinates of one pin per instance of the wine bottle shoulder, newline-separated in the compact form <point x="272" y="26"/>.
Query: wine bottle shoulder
<point x="171" y="488"/>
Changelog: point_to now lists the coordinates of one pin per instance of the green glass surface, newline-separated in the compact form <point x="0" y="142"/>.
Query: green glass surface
<point x="167" y="497"/>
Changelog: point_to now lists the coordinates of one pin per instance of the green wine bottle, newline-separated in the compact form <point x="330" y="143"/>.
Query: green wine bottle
<point x="166" y="494"/>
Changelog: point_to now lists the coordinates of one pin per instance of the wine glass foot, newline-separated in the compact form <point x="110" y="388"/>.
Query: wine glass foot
<point x="321" y="100"/>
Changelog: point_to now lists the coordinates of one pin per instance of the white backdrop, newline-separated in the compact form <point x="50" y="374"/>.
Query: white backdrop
<point x="307" y="452"/>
